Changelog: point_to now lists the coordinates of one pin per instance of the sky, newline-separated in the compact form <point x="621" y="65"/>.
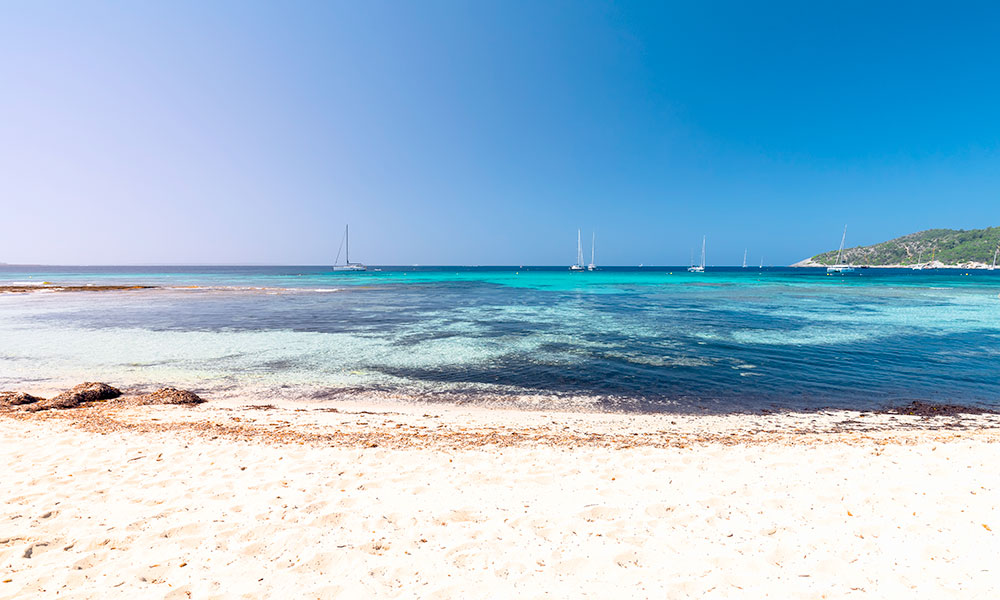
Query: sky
<point x="489" y="132"/>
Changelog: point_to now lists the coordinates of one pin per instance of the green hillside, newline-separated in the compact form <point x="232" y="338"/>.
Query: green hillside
<point x="949" y="246"/>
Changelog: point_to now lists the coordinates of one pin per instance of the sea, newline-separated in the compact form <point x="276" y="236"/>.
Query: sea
<point x="650" y="339"/>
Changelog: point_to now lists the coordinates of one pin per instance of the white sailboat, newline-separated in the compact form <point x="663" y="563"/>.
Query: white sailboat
<point x="744" y="258"/>
<point x="348" y="265"/>
<point x="762" y="262"/>
<point x="922" y="266"/>
<point x="995" y="252"/>
<point x="699" y="268"/>
<point x="593" y="244"/>
<point x="840" y="267"/>
<point x="579" y="254"/>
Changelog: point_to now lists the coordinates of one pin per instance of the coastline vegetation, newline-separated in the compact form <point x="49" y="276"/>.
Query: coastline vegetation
<point x="948" y="246"/>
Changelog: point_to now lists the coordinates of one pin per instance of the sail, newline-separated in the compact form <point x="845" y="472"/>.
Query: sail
<point x="578" y="265"/>
<point x="842" y="239"/>
<point x="579" y="249"/>
<point x="345" y="245"/>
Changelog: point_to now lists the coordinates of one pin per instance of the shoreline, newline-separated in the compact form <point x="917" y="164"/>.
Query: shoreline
<point x="403" y="425"/>
<point x="808" y="264"/>
<point x="412" y="425"/>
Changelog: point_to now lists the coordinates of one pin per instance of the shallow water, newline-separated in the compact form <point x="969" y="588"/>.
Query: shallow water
<point x="618" y="339"/>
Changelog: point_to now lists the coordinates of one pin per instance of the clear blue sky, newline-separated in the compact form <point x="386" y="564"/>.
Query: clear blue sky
<point x="487" y="132"/>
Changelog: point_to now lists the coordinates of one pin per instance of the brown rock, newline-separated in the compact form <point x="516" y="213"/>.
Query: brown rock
<point x="167" y="395"/>
<point x="17" y="399"/>
<point x="85" y="392"/>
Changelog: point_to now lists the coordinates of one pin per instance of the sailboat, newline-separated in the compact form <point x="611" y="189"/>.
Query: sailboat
<point x="922" y="266"/>
<point x="593" y="244"/>
<point x="744" y="258"/>
<point x="348" y="265"/>
<point x="995" y="252"/>
<point x="919" y="266"/>
<point x="579" y="254"/>
<point x="700" y="268"/>
<point x="762" y="262"/>
<point x="840" y="267"/>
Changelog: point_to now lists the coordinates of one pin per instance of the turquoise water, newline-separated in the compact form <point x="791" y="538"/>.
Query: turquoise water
<point x="646" y="339"/>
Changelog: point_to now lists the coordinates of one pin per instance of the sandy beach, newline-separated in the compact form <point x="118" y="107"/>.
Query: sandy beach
<point x="373" y="499"/>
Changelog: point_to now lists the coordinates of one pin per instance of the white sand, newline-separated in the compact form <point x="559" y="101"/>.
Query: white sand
<point x="755" y="511"/>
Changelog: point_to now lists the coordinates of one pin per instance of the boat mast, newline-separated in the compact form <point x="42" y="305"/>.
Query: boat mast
<point x="841" y="251"/>
<point x="593" y="241"/>
<point x="995" y="252"/>
<point x="579" y="249"/>
<point x="744" y="258"/>
<point x="347" y="238"/>
<point x="703" y="251"/>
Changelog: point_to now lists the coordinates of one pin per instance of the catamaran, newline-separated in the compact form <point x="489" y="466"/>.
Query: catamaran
<point x="346" y="244"/>
<point x="579" y="255"/>
<point x="593" y="244"/>
<point x="699" y="268"/>
<point x="840" y="267"/>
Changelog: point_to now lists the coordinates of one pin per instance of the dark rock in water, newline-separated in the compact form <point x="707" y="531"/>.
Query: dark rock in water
<point x="928" y="409"/>
<point x="85" y="392"/>
<point x="17" y="399"/>
<point x="167" y="395"/>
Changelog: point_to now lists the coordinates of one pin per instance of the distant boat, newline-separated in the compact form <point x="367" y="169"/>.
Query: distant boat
<point x="348" y="265"/>
<point x="700" y="268"/>
<point x="995" y="252"/>
<point x="762" y="263"/>
<point x="593" y="244"/>
<point x="922" y="266"/>
<point x="579" y="255"/>
<point x="744" y="258"/>
<point x="840" y="267"/>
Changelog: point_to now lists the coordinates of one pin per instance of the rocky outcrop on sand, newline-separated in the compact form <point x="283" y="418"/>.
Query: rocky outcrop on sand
<point x="91" y="393"/>
<point x="8" y="399"/>
<point x="72" y="398"/>
<point x="167" y="395"/>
